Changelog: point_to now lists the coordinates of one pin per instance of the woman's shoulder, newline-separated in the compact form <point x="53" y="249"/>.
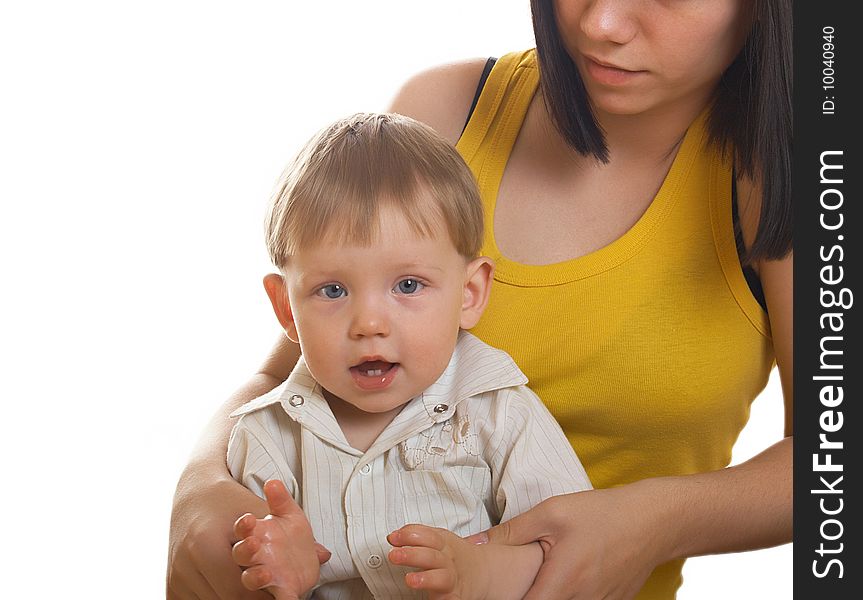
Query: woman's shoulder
<point x="440" y="96"/>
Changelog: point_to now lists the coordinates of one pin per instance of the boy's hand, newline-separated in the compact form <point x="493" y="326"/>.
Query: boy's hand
<point x="278" y="551"/>
<point x="450" y="568"/>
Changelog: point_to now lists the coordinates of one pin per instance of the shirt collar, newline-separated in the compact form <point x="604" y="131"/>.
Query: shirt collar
<point x="299" y="383"/>
<point x="475" y="368"/>
<point x="301" y="397"/>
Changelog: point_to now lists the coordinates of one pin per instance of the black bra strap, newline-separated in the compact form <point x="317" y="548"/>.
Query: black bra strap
<point x="748" y="272"/>
<point x="482" y="78"/>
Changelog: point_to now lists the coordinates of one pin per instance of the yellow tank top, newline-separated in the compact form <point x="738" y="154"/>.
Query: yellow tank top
<point x="648" y="351"/>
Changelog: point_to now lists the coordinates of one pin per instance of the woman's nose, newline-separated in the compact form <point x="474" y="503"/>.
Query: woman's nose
<point x="610" y="20"/>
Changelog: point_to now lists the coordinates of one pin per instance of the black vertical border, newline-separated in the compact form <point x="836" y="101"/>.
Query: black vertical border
<point x="820" y="128"/>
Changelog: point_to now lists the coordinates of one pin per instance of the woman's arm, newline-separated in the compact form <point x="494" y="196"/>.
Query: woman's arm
<point x="440" y="97"/>
<point x="752" y="502"/>
<point x="777" y="279"/>
<point x="208" y="500"/>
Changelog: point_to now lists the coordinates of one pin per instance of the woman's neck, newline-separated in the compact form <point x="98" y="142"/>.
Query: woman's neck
<point x="652" y="136"/>
<point x="642" y="139"/>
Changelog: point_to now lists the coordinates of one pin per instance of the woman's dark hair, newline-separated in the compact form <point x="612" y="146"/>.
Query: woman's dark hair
<point x="750" y="114"/>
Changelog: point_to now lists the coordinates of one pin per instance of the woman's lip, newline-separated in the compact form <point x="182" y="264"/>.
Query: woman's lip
<point x="374" y="382"/>
<point x="609" y="74"/>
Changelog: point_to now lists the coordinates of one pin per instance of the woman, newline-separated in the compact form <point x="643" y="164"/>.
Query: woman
<point x="610" y="184"/>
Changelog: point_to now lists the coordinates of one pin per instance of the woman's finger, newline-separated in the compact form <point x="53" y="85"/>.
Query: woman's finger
<point x="531" y="526"/>
<point x="323" y="554"/>
<point x="551" y="584"/>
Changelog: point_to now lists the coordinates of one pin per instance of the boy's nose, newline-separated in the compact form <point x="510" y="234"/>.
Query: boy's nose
<point x="369" y="320"/>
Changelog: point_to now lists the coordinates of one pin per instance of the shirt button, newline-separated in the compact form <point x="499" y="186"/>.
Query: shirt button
<point x="440" y="408"/>
<point x="366" y="469"/>
<point x="374" y="561"/>
<point x="296" y="400"/>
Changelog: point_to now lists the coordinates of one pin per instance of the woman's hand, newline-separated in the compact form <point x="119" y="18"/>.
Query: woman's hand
<point x="199" y="554"/>
<point x="597" y="544"/>
<point x="200" y="565"/>
<point x="278" y="552"/>
<point x="208" y="500"/>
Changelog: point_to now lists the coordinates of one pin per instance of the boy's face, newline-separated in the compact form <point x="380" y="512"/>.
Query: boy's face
<point x="377" y="325"/>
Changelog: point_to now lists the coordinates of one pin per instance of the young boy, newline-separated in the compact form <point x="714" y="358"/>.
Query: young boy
<point x="394" y="415"/>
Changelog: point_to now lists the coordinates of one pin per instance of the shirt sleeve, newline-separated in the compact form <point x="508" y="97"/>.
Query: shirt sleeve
<point x="255" y="455"/>
<point x="532" y="460"/>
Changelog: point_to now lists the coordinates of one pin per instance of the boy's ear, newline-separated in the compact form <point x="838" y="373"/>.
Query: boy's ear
<point x="477" y="287"/>
<point x="278" y="294"/>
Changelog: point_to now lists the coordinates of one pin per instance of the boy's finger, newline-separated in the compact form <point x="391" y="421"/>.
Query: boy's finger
<point x="417" y="535"/>
<point x="243" y="552"/>
<point x="418" y="557"/>
<point x="281" y="503"/>
<point x="244" y="526"/>
<point x="256" y="578"/>
<point x="437" y="580"/>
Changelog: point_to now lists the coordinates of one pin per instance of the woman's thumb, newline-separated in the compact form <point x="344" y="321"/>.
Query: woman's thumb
<point x="323" y="554"/>
<point x="514" y="532"/>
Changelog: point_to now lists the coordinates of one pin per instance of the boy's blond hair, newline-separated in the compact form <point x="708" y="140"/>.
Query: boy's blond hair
<point x="336" y="186"/>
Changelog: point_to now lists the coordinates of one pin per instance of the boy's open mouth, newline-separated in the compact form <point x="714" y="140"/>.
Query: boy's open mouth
<point x="374" y="374"/>
<point x="373" y="368"/>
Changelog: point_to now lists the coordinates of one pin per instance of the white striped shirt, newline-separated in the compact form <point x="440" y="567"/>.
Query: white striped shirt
<point x="476" y="448"/>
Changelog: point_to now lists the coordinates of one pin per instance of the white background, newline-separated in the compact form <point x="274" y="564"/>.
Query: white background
<point x="138" y="144"/>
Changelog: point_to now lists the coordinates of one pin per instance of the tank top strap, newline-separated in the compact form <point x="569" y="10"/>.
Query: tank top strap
<point x="721" y="208"/>
<point x="505" y="98"/>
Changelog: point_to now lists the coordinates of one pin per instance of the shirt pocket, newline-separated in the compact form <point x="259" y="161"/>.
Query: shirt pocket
<point x="451" y="498"/>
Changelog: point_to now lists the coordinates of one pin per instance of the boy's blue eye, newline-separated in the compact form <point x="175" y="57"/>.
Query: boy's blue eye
<point x="333" y="291"/>
<point x="409" y="286"/>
